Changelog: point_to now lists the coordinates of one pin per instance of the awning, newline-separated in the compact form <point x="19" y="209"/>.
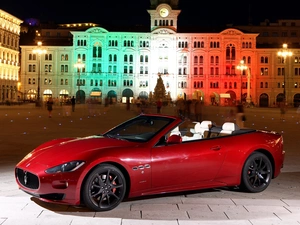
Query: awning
<point x="225" y="95"/>
<point x="96" y="93"/>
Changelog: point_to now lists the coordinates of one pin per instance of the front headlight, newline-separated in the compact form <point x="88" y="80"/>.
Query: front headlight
<point x="66" y="167"/>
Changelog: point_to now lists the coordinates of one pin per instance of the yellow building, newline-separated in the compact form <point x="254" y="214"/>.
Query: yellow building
<point x="9" y="57"/>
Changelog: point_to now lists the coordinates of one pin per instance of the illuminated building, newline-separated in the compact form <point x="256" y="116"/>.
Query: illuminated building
<point x="200" y="66"/>
<point x="9" y="57"/>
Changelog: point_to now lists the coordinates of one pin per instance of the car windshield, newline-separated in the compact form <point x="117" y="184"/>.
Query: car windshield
<point x="139" y="129"/>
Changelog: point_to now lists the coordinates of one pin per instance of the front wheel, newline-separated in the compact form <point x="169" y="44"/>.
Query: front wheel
<point x="257" y="173"/>
<point x="104" y="188"/>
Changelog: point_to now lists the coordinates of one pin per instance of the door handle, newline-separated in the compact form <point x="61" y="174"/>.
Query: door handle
<point x="216" y="148"/>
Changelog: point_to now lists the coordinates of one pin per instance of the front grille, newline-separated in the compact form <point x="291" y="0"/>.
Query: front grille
<point x="27" y="179"/>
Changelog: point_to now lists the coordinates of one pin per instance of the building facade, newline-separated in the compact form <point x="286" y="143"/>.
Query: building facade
<point x="9" y="57"/>
<point x="202" y="66"/>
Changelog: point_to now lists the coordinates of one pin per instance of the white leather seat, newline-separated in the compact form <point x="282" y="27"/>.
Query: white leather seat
<point x="196" y="131"/>
<point x="205" y="125"/>
<point x="228" y="128"/>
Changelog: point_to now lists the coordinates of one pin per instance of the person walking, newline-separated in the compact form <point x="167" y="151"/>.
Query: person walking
<point x="282" y="107"/>
<point x="50" y="106"/>
<point x="240" y="115"/>
<point x="73" y="101"/>
<point x="158" y="105"/>
<point x="127" y="104"/>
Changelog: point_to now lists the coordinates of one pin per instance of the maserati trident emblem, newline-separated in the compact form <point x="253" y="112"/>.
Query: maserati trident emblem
<point x="25" y="177"/>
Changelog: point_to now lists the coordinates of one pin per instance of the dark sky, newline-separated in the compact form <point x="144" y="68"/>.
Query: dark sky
<point x="193" y="12"/>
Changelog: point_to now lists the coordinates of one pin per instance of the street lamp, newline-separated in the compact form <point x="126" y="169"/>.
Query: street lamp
<point x="39" y="51"/>
<point x="284" y="53"/>
<point x="79" y="65"/>
<point x="243" y="67"/>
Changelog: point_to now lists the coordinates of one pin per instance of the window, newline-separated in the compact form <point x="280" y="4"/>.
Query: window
<point x="293" y="34"/>
<point x="263" y="71"/>
<point x="280" y="71"/>
<point x="201" y="59"/>
<point x="230" y="52"/>
<point x="195" y="70"/>
<point x="264" y="59"/>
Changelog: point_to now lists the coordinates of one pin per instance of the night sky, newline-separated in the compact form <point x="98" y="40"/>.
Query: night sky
<point x="134" y="12"/>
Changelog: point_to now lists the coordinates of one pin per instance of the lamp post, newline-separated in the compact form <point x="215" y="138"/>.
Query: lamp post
<point x="79" y="65"/>
<point x="243" y="67"/>
<point x="39" y="51"/>
<point x="284" y="52"/>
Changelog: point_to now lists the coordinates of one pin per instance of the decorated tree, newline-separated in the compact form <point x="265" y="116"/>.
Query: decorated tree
<point x="159" y="90"/>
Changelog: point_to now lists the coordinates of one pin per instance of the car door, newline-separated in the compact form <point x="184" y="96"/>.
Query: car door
<point x="187" y="163"/>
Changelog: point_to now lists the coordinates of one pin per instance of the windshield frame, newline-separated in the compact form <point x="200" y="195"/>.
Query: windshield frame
<point x="140" y="129"/>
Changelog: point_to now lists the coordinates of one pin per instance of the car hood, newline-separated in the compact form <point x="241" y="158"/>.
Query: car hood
<point x="67" y="149"/>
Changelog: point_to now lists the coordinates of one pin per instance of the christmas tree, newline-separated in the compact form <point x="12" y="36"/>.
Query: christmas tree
<point x="159" y="90"/>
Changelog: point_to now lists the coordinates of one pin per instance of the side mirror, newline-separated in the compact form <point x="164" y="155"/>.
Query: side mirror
<point x="174" y="139"/>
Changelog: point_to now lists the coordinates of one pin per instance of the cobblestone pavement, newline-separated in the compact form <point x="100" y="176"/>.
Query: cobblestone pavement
<point x="24" y="127"/>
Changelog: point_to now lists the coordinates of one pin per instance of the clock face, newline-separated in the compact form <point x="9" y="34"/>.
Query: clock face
<point x="163" y="12"/>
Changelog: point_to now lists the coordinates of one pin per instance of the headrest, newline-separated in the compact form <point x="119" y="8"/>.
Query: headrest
<point x="196" y="127"/>
<point x="206" y="124"/>
<point x="230" y="126"/>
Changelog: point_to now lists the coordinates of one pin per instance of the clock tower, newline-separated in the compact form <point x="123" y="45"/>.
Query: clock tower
<point x="164" y="14"/>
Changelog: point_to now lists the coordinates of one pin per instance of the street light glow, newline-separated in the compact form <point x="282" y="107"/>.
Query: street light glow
<point x="40" y="51"/>
<point x="79" y="65"/>
<point x="284" y="52"/>
<point x="242" y="66"/>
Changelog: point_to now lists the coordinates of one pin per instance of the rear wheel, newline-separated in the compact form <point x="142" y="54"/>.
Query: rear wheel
<point x="257" y="173"/>
<point x="104" y="188"/>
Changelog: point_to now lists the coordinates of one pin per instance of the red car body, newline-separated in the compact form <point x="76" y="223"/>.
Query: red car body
<point x="100" y="171"/>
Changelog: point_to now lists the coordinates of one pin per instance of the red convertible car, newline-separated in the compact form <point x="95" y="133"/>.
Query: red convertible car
<point x="147" y="155"/>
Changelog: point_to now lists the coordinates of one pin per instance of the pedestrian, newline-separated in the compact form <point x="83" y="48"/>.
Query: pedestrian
<point x="50" y="106"/>
<point x="138" y="105"/>
<point x="158" y="105"/>
<point x="240" y="115"/>
<point x="181" y="107"/>
<point x="73" y="101"/>
<point x="230" y="116"/>
<point x="282" y="107"/>
<point x="128" y="103"/>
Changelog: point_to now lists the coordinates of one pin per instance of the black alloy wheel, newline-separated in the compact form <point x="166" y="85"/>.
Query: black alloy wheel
<point x="104" y="188"/>
<point x="257" y="173"/>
